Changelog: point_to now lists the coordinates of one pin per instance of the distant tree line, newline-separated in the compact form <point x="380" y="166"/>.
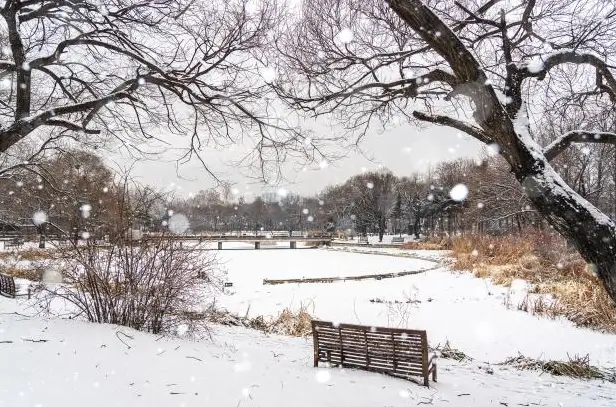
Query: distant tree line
<point x="79" y="193"/>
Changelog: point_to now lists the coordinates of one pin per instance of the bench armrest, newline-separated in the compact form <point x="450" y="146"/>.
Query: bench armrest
<point x="432" y="360"/>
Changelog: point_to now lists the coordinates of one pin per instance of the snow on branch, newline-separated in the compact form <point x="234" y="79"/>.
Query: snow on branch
<point x="559" y="145"/>
<point x="539" y="67"/>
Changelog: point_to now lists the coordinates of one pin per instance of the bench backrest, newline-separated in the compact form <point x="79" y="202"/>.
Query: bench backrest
<point x="7" y="286"/>
<point x="397" y="352"/>
<point x="397" y="240"/>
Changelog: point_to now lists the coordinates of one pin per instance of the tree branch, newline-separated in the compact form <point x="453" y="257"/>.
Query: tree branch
<point x="559" y="145"/>
<point x="574" y="57"/>
<point x="469" y="129"/>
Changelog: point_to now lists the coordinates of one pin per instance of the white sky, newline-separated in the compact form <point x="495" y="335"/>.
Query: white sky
<point x="404" y="149"/>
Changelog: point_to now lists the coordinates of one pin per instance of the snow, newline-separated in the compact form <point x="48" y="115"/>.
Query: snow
<point x="548" y="179"/>
<point x="459" y="192"/>
<point x="467" y="311"/>
<point x="88" y="364"/>
<point x="104" y="365"/>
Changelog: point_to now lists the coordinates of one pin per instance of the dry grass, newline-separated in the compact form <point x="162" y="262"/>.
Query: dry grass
<point x="434" y="243"/>
<point x="29" y="254"/>
<point x="448" y="352"/>
<point x="291" y="323"/>
<point x="288" y="322"/>
<point x="577" y="367"/>
<point x="544" y="260"/>
<point x="32" y="274"/>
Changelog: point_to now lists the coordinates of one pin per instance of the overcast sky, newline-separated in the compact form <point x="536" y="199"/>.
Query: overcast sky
<point x="403" y="149"/>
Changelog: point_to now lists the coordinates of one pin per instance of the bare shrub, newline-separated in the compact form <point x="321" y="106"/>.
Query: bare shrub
<point x="155" y="286"/>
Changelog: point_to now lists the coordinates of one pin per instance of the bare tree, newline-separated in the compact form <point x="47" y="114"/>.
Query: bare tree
<point x="373" y="197"/>
<point x="125" y="69"/>
<point x="481" y="67"/>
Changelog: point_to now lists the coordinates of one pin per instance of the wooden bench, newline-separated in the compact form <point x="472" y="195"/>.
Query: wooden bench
<point x="362" y="239"/>
<point x="397" y="240"/>
<point x="401" y="353"/>
<point x="7" y="286"/>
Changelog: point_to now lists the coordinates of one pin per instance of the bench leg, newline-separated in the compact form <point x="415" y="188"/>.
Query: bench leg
<point x="434" y="373"/>
<point x="427" y="381"/>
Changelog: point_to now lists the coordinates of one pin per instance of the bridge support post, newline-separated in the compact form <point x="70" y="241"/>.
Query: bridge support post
<point x="257" y="245"/>
<point x="293" y="245"/>
<point x="219" y="245"/>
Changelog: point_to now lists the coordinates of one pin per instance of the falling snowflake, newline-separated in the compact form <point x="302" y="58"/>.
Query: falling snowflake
<point x="480" y="205"/>
<point x="370" y="185"/>
<point x="345" y="35"/>
<point x="493" y="149"/>
<point x="178" y="223"/>
<point x="85" y="235"/>
<point x="85" y="210"/>
<point x="51" y="276"/>
<point x="323" y="164"/>
<point x="310" y="218"/>
<point x="268" y="74"/>
<point x="459" y="192"/>
<point x="39" y="218"/>
<point x="475" y="253"/>
<point x="535" y="65"/>
<point x="305" y="211"/>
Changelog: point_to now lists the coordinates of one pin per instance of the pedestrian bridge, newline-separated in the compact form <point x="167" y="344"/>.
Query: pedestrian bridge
<point x="257" y="241"/>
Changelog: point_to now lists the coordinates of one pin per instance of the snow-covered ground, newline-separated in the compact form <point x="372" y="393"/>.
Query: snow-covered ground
<point x="82" y="364"/>
<point x="87" y="364"/>
<point x="468" y="311"/>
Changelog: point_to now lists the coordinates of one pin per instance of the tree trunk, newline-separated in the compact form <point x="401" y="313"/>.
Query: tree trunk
<point x="416" y="227"/>
<point x="381" y="229"/>
<point x="591" y="232"/>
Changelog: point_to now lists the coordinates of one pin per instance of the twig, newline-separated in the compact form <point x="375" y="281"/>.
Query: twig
<point x="193" y="357"/>
<point x="128" y="336"/>
<point x="34" y="340"/>
<point x="6" y="341"/>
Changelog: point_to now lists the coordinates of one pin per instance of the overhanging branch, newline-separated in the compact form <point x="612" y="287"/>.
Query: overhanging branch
<point x="467" y="128"/>
<point x="559" y="145"/>
<point x="574" y="57"/>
